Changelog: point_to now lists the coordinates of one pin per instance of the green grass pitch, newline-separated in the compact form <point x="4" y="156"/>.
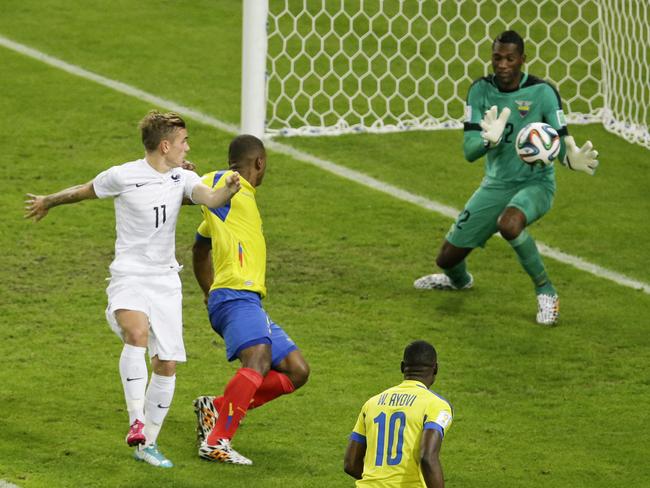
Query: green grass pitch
<point x="535" y="407"/>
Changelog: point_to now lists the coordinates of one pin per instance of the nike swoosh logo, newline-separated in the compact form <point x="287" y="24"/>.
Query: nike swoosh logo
<point x="138" y="185"/>
<point x="162" y="406"/>
<point x="133" y="379"/>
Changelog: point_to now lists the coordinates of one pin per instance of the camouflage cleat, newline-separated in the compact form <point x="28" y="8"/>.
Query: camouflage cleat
<point x="222" y="452"/>
<point x="206" y="417"/>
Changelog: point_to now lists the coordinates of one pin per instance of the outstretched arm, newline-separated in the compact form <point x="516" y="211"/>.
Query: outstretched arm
<point x="218" y="197"/>
<point x="353" y="461"/>
<point x="429" y="461"/>
<point x="37" y="206"/>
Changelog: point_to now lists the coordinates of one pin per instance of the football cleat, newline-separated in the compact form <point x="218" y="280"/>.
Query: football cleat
<point x="440" y="281"/>
<point x="222" y="452"/>
<point x="135" y="436"/>
<point x="152" y="455"/>
<point x="548" y="309"/>
<point x="206" y="416"/>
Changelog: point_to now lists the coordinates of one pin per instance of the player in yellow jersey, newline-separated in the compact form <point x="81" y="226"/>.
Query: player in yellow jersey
<point x="233" y="280"/>
<point x="398" y="434"/>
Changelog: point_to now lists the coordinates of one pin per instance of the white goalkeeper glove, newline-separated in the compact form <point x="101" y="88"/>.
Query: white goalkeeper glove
<point x="493" y="126"/>
<point x="583" y="159"/>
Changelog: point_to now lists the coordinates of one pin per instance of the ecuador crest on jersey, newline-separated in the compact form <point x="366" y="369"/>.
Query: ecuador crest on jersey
<point x="523" y="106"/>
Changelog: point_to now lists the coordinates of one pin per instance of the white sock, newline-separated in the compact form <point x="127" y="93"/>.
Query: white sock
<point x="133" y="370"/>
<point x="157" y="402"/>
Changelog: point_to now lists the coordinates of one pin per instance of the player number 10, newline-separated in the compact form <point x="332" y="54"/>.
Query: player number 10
<point x="380" y="420"/>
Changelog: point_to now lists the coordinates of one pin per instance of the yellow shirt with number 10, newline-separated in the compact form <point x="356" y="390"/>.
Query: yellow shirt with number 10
<point x="391" y="425"/>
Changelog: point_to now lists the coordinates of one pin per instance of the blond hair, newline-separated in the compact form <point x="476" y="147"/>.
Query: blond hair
<point x="156" y="126"/>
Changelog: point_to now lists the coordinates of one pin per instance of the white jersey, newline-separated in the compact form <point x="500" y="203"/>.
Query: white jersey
<point x="147" y="204"/>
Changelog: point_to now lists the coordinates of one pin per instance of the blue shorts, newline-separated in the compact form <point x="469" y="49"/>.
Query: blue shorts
<point x="238" y="317"/>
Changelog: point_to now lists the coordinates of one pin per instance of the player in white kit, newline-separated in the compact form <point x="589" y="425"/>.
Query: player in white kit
<point x="144" y="294"/>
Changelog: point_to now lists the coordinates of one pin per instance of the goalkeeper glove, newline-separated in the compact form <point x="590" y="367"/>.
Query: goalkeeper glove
<point x="493" y="126"/>
<point x="583" y="159"/>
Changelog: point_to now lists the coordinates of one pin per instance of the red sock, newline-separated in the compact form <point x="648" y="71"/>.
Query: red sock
<point x="274" y="385"/>
<point x="218" y="402"/>
<point x="236" y="399"/>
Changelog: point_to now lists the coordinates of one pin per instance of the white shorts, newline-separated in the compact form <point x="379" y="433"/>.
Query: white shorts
<point x="160" y="298"/>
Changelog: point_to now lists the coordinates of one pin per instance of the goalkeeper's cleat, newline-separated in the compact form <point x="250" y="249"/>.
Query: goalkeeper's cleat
<point x="206" y="416"/>
<point x="548" y="309"/>
<point x="135" y="436"/>
<point x="222" y="452"/>
<point x="152" y="455"/>
<point x="440" y="281"/>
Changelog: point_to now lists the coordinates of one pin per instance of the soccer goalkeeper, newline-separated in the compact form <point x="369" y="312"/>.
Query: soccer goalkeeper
<point x="512" y="194"/>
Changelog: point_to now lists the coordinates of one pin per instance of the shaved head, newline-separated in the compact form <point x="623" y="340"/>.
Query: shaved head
<point x="419" y="353"/>
<point x="244" y="150"/>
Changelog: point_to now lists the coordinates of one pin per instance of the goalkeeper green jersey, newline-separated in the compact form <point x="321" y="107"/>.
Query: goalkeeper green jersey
<point x="533" y="101"/>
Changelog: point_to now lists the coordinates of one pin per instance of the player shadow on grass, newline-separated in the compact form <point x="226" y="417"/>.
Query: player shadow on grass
<point x="449" y="302"/>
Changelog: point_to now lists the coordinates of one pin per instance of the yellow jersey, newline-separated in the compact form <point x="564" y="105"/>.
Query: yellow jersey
<point x="391" y="426"/>
<point x="235" y="231"/>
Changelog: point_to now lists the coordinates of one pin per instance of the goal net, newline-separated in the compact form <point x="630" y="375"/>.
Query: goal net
<point x="341" y="66"/>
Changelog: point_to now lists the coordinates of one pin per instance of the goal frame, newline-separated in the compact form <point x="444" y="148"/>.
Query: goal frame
<point x="619" y="111"/>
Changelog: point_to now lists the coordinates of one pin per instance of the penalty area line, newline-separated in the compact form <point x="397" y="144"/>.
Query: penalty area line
<point x="323" y="164"/>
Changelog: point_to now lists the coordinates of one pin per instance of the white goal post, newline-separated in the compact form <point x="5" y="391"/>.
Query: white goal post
<point x="319" y="67"/>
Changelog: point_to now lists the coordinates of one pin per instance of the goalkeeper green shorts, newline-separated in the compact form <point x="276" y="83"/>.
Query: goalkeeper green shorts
<point x="478" y="220"/>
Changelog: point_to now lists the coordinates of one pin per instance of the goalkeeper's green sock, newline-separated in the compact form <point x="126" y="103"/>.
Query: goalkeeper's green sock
<point x="529" y="257"/>
<point x="458" y="275"/>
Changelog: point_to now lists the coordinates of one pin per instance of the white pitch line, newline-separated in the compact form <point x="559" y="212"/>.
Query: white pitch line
<point x="6" y="484"/>
<point x="117" y="85"/>
<point x="323" y="164"/>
